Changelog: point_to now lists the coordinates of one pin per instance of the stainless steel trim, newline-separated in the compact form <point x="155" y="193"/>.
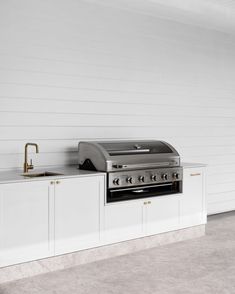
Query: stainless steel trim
<point x="142" y="188"/>
<point x="145" y="165"/>
<point x="148" y="174"/>
<point x="117" y="152"/>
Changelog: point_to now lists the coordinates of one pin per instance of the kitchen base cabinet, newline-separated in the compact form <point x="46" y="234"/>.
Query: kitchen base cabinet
<point x="132" y="219"/>
<point x="123" y="221"/>
<point x="40" y="219"/>
<point x="193" y="200"/>
<point x="44" y="218"/>
<point x="77" y="213"/>
<point x="26" y="222"/>
<point x="162" y="214"/>
<point x="138" y="218"/>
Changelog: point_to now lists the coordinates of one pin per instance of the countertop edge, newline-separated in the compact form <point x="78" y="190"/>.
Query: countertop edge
<point x="65" y="171"/>
<point x="193" y="164"/>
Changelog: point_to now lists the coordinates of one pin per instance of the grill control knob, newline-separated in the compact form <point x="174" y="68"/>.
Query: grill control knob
<point x="116" y="181"/>
<point x="164" y="177"/>
<point x="141" y="178"/>
<point x="153" y="178"/>
<point x="176" y="176"/>
<point x="129" y="180"/>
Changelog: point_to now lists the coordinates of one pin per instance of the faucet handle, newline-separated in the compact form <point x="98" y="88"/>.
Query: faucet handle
<point x="30" y="166"/>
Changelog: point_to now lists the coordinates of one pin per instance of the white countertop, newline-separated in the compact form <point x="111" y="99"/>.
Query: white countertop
<point x="65" y="171"/>
<point x="192" y="164"/>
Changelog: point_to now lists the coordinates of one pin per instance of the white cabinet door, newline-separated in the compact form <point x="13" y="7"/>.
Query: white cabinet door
<point x="26" y="218"/>
<point x="162" y="214"/>
<point x="77" y="213"/>
<point x="123" y="221"/>
<point x="192" y="206"/>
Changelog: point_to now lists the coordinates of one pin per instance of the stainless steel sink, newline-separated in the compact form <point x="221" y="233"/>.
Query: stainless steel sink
<point x="41" y="174"/>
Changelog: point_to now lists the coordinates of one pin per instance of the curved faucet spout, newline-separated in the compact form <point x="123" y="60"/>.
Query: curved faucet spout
<point x="26" y="165"/>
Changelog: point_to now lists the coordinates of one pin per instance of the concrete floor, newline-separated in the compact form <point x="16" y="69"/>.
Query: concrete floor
<point x="204" y="265"/>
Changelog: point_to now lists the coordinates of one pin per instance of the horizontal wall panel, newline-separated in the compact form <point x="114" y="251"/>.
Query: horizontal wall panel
<point x="91" y="76"/>
<point x="39" y="160"/>
<point x="221" y="178"/>
<point x="212" y="150"/>
<point x="48" y="132"/>
<point x="221" y="188"/>
<point x="182" y="144"/>
<point x="30" y="91"/>
<point x="85" y="70"/>
<point x="220" y="169"/>
<point x="200" y="142"/>
<point x="52" y="67"/>
<point x="215" y="160"/>
<point x="217" y="114"/>
<point x="216" y="197"/>
<point x="91" y="119"/>
<point x="219" y="207"/>
<point x="17" y="147"/>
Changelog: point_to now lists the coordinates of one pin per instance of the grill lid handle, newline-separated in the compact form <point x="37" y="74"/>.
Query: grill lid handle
<point x="129" y="151"/>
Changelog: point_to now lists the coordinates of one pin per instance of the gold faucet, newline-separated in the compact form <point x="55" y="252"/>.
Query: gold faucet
<point x="26" y="165"/>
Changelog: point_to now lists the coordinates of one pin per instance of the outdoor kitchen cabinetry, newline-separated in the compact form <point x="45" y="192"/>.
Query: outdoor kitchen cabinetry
<point x="132" y="219"/>
<point x="193" y="200"/>
<point x="77" y="213"/>
<point x="44" y="218"/>
<point x="138" y="218"/>
<point x="123" y="221"/>
<point x="162" y="214"/>
<point x="26" y="222"/>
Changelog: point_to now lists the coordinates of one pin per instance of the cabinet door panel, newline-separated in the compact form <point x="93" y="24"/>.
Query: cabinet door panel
<point x="25" y="222"/>
<point x="77" y="213"/>
<point x="162" y="214"/>
<point x="123" y="221"/>
<point x="193" y="197"/>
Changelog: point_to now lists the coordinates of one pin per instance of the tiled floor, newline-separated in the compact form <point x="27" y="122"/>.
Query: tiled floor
<point x="204" y="265"/>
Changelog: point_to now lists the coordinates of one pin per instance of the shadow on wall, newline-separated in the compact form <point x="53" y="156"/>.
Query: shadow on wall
<point x="71" y="156"/>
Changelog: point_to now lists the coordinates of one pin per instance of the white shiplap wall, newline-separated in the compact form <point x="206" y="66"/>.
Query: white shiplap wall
<point x="78" y="70"/>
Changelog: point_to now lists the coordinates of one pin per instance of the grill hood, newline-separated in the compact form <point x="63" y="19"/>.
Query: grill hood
<point x="111" y="156"/>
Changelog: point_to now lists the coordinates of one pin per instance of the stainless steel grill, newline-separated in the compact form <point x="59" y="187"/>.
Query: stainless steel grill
<point x="152" y="165"/>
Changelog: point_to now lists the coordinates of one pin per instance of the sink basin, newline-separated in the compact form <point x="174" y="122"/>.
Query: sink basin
<point x="41" y="174"/>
